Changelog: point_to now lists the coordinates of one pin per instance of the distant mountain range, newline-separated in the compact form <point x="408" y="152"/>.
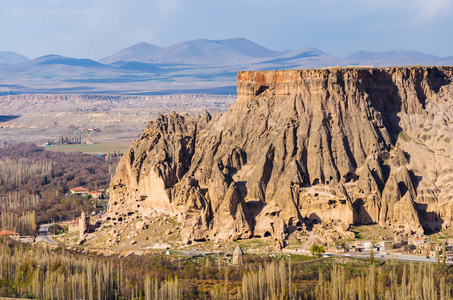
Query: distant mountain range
<point x="198" y="52"/>
<point x="11" y="58"/>
<point x="398" y="58"/>
<point x="197" y="66"/>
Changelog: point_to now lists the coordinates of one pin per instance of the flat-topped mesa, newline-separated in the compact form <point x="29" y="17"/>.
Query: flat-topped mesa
<point x="300" y="147"/>
<point x="294" y="82"/>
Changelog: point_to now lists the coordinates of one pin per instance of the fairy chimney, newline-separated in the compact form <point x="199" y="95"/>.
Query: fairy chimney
<point x="82" y="226"/>
<point x="237" y="256"/>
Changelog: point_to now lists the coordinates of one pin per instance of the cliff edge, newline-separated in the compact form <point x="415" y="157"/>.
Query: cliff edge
<point x="297" y="148"/>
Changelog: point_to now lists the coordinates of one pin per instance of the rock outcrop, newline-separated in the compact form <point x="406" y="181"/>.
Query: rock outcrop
<point x="299" y="147"/>
<point x="84" y="223"/>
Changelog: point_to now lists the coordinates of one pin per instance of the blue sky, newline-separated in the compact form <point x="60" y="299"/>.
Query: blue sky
<point x="98" y="28"/>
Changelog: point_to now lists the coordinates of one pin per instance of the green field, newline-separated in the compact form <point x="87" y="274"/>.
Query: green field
<point x="100" y="148"/>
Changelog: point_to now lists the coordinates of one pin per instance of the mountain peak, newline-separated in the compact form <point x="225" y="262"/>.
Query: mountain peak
<point x="139" y="52"/>
<point x="9" y="57"/>
<point x="199" y="51"/>
<point x="53" y="59"/>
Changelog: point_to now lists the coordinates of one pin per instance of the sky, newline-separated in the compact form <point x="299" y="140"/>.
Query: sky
<point x="98" y="28"/>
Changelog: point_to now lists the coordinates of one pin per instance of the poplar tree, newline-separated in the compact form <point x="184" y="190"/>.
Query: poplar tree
<point x="437" y="253"/>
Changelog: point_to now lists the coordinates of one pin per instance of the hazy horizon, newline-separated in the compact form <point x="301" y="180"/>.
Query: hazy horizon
<point x="97" y="29"/>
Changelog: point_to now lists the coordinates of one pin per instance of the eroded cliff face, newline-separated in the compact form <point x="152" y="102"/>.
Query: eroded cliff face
<point x="299" y="147"/>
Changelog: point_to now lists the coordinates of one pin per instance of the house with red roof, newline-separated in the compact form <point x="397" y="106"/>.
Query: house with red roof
<point x="79" y="191"/>
<point x="11" y="234"/>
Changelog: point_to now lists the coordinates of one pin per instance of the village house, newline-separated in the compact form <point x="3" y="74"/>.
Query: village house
<point x="385" y="245"/>
<point x="400" y="240"/>
<point x="105" y="192"/>
<point x="431" y="251"/>
<point x="417" y="242"/>
<point x="10" y="234"/>
<point x="356" y="246"/>
<point x="73" y="226"/>
<point x="367" y="245"/>
<point x="424" y="248"/>
<point x="95" y="195"/>
<point x="79" y="191"/>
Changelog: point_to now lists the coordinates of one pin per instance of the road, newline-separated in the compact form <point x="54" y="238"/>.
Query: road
<point x="399" y="257"/>
<point x="44" y="235"/>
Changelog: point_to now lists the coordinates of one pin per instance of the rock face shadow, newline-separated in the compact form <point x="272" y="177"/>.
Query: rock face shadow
<point x="383" y="93"/>
<point x="255" y="207"/>
<point x="7" y="118"/>
<point x="362" y="213"/>
<point x="432" y="221"/>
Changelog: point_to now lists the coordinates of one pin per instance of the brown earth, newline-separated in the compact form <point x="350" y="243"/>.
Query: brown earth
<point x="39" y="118"/>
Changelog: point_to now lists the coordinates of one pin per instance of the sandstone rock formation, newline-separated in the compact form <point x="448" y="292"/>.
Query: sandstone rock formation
<point x="238" y="256"/>
<point x="299" y="147"/>
<point x="84" y="223"/>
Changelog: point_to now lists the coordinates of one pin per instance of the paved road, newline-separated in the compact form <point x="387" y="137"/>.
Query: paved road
<point x="44" y="235"/>
<point x="399" y="257"/>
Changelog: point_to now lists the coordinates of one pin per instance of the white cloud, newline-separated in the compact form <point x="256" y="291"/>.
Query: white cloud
<point x="432" y="9"/>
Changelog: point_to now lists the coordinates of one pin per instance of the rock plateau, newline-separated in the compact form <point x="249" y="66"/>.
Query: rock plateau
<point x="297" y="148"/>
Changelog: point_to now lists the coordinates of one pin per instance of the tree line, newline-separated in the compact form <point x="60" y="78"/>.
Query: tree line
<point x="34" y="179"/>
<point x="34" y="272"/>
